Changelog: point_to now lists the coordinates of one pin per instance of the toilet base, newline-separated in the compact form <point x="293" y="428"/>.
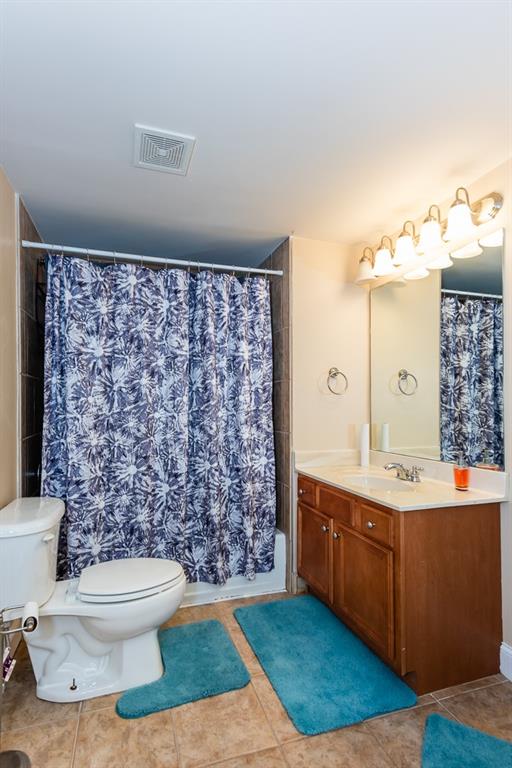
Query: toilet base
<point x="69" y="672"/>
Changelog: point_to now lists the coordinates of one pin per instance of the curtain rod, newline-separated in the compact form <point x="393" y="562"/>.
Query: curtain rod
<point x="68" y="250"/>
<point x="469" y="293"/>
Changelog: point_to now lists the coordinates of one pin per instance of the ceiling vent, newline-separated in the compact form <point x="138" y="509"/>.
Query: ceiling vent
<point x="162" y="150"/>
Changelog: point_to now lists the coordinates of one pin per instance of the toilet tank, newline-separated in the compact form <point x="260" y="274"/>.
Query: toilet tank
<point x="29" y="536"/>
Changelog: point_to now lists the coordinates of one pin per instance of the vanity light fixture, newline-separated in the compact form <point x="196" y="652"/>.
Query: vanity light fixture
<point x="405" y="250"/>
<point x="443" y="261"/>
<point x="383" y="259"/>
<point x="417" y="274"/>
<point x="430" y="232"/>
<point x="460" y="220"/>
<point x="462" y="224"/>
<point x="365" y="273"/>
<point x="494" y="240"/>
<point x="467" y="251"/>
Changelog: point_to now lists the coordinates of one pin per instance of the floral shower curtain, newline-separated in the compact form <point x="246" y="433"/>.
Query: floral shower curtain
<point x="158" y="427"/>
<point x="472" y="379"/>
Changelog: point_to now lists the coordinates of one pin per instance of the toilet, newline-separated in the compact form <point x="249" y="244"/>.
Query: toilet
<point x="96" y="634"/>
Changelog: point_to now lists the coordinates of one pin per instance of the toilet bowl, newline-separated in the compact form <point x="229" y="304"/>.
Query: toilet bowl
<point x="97" y="634"/>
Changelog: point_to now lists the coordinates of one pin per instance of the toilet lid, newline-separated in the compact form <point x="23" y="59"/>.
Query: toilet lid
<point x="128" y="579"/>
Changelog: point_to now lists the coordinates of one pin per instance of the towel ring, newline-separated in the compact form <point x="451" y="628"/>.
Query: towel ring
<point x="403" y="378"/>
<point x="333" y="374"/>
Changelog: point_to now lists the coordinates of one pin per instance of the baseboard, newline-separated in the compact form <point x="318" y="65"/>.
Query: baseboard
<point x="506" y="660"/>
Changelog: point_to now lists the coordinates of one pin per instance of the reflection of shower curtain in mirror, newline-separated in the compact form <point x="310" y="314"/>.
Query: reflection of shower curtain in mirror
<point x="472" y="379"/>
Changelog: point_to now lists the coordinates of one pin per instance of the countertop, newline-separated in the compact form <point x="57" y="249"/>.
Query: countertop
<point x="406" y="497"/>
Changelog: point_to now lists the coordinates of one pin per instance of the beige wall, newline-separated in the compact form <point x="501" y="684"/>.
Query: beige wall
<point x="329" y="328"/>
<point x="8" y="343"/>
<point x="405" y="320"/>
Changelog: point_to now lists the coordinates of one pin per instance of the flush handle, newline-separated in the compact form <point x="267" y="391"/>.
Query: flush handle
<point x="48" y="537"/>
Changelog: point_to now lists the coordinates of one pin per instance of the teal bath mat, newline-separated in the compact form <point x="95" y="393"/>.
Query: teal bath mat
<point x="448" y="744"/>
<point x="324" y="675"/>
<point x="199" y="660"/>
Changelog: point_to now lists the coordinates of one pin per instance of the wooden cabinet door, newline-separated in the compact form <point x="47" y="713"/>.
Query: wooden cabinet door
<point x="363" y="587"/>
<point x="314" y="549"/>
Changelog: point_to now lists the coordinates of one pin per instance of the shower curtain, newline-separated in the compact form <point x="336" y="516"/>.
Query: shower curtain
<point x="472" y="379"/>
<point x="158" y="429"/>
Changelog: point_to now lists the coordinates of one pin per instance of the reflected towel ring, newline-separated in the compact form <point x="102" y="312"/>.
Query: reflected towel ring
<point x="333" y="374"/>
<point x="403" y="378"/>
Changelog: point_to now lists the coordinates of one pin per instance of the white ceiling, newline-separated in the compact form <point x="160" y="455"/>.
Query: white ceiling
<point x="327" y="119"/>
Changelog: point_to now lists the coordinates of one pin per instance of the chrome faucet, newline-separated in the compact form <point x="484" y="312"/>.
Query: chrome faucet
<point x="411" y="475"/>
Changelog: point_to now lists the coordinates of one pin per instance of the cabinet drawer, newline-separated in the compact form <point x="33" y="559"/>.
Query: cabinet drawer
<point x="336" y="504"/>
<point x="307" y="491"/>
<point x="376" y="524"/>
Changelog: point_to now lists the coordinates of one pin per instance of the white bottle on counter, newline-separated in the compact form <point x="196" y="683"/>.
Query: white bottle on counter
<point x="364" y="445"/>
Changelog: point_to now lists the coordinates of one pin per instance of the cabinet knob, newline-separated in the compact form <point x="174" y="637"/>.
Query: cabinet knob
<point x="325" y="528"/>
<point x="336" y="535"/>
<point x="370" y="524"/>
<point x="301" y="491"/>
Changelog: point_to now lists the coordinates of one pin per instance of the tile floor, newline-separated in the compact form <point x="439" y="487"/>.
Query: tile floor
<point x="241" y="729"/>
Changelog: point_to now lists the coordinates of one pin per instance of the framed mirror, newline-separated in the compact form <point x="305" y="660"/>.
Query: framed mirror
<point x="437" y="362"/>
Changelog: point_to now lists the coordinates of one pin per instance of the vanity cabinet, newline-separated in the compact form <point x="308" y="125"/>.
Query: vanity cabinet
<point x="315" y="550"/>
<point x="362" y="587"/>
<point x="422" y="588"/>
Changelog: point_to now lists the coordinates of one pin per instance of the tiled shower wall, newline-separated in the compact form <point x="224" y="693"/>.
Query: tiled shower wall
<point x="280" y="298"/>
<point x="32" y="302"/>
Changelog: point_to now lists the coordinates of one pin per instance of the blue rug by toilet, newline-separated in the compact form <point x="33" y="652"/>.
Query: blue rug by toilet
<point x="324" y="675"/>
<point x="448" y="744"/>
<point x="200" y="660"/>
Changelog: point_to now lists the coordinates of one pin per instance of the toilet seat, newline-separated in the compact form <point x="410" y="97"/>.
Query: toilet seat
<point x="128" y="579"/>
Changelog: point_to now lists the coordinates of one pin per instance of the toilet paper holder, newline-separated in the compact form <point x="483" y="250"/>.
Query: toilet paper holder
<point x="29" y="622"/>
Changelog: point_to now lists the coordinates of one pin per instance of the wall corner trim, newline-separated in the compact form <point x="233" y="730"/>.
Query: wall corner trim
<point x="506" y="660"/>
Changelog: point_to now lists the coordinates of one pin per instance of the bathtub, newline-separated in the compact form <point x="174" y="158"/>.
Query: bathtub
<point x="238" y="586"/>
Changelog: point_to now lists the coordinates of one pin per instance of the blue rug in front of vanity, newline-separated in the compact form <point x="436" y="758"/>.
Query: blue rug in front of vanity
<point x="324" y="675"/>
<point x="448" y="744"/>
<point x="200" y="660"/>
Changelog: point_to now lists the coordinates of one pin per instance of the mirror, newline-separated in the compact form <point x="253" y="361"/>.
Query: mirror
<point x="437" y="363"/>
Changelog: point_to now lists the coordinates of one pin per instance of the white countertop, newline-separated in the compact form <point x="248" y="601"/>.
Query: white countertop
<point x="405" y="497"/>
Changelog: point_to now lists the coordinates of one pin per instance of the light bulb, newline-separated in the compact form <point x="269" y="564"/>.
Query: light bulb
<point x="404" y="250"/>
<point x="417" y="274"/>
<point x="467" y="251"/>
<point x="460" y="222"/>
<point x="430" y="236"/>
<point x="494" y="240"/>
<point x="442" y="261"/>
<point x="383" y="262"/>
<point x="365" y="272"/>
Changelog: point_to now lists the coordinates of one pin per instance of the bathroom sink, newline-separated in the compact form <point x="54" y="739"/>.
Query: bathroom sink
<point x="373" y="483"/>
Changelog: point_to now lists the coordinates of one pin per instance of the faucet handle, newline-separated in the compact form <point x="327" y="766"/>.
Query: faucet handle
<point x="415" y="473"/>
